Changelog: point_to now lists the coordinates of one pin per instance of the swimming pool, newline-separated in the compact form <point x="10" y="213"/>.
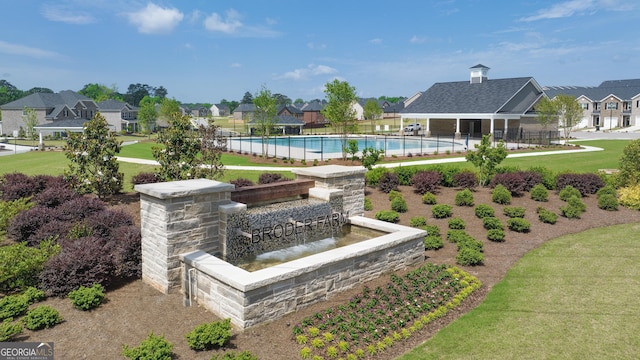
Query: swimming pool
<point x="326" y="147"/>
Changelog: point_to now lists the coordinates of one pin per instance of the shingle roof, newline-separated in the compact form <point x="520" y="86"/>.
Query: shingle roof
<point x="245" y="108"/>
<point x="313" y="106"/>
<point x="64" y="124"/>
<point x="462" y="97"/>
<point x="623" y="89"/>
<point x="46" y="100"/>
<point x="112" y="105"/>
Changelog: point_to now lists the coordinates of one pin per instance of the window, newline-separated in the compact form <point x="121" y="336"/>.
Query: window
<point x="612" y="106"/>
<point x="596" y="106"/>
<point x="585" y="106"/>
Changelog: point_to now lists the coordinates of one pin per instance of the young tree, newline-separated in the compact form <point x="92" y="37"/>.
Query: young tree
<point x="487" y="158"/>
<point x="212" y="146"/>
<point x="569" y="113"/>
<point x="629" y="165"/>
<point x="372" y="111"/>
<point x="265" y="115"/>
<point x="547" y="113"/>
<point x="178" y="155"/>
<point x="93" y="167"/>
<point x="247" y="98"/>
<point x="147" y="115"/>
<point x="30" y="118"/>
<point x="339" y="111"/>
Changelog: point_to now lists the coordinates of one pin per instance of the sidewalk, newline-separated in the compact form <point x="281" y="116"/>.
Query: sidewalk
<point x="11" y="149"/>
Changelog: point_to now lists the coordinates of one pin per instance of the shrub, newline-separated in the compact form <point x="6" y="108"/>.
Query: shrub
<point x="429" y="199"/>
<point x="531" y="179"/>
<point x="21" y="264"/>
<point x="144" y="178"/>
<point x="405" y="174"/>
<point x="268" y="178"/>
<point x="466" y="179"/>
<point x="568" y="192"/>
<point x="441" y="211"/>
<point x="574" y="208"/>
<point x="25" y="224"/>
<point x="469" y="242"/>
<point x="426" y="181"/>
<point x="41" y="317"/>
<point x="53" y="196"/>
<point x="153" y="347"/>
<point x="372" y="177"/>
<point x="432" y="242"/>
<point x="457" y="236"/>
<point x="492" y="223"/>
<point x="388" y="216"/>
<point x="548" y="178"/>
<point x="496" y="235"/>
<point x="394" y="194"/>
<point x="464" y="198"/>
<point x="539" y="193"/>
<point x="469" y="257"/>
<point x="608" y="202"/>
<point x="87" y="298"/>
<point x="629" y="165"/>
<point x="511" y="181"/>
<point x="399" y="204"/>
<point x="483" y="211"/>
<point x="417" y="221"/>
<point x="607" y="190"/>
<point x="13" y="305"/>
<point x="241" y="182"/>
<point x="586" y="184"/>
<point x="630" y="197"/>
<point x="456" y="224"/>
<point x="245" y="355"/>
<point x="500" y="195"/>
<point x="546" y="216"/>
<point x="9" y="209"/>
<point x="432" y="230"/>
<point x="514" y="211"/>
<point x="8" y="329"/>
<point x="14" y="186"/>
<point x="368" y="205"/>
<point x="388" y="181"/>
<point x="519" y="225"/>
<point x="208" y="336"/>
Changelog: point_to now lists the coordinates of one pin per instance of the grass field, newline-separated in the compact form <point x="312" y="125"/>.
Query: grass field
<point x="575" y="297"/>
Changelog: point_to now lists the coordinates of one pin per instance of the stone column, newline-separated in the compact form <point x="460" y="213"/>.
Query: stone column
<point x="347" y="179"/>
<point x="178" y="217"/>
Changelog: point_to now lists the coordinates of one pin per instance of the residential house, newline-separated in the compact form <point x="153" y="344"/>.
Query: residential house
<point x="219" y="110"/>
<point x="244" y="112"/>
<point x="312" y="114"/>
<point x="122" y="115"/>
<point x="56" y="112"/>
<point x="290" y="110"/>
<point x="612" y="104"/>
<point x="358" y="106"/>
<point x="477" y="106"/>
<point x="284" y="124"/>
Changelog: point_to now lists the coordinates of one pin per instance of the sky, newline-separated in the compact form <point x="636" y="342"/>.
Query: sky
<point x="209" y="50"/>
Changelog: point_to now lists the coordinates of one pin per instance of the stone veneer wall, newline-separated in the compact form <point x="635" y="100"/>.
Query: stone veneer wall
<point x="178" y="217"/>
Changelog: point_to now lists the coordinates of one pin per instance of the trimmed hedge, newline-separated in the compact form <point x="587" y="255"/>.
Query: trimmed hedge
<point x="426" y="181"/>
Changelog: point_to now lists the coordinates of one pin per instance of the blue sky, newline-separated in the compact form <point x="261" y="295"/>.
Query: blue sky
<point x="206" y="50"/>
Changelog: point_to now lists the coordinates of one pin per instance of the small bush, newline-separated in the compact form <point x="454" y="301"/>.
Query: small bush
<point x="496" y="235"/>
<point x="42" y="317"/>
<point x="21" y="264"/>
<point x="87" y="298"/>
<point x="511" y="181"/>
<point x="464" y="198"/>
<point x="394" y="194"/>
<point x="13" y="306"/>
<point x="492" y="223"/>
<point x="8" y="330"/>
<point x="500" y="195"/>
<point x="482" y="211"/>
<point x="417" y="221"/>
<point x="441" y="211"/>
<point x="469" y="257"/>
<point x="576" y="202"/>
<point x="546" y="216"/>
<point x="53" y="196"/>
<point x="208" y="336"/>
<point x="426" y="181"/>
<point x="469" y="243"/>
<point x="268" y="178"/>
<point x="630" y="197"/>
<point x="432" y="242"/>
<point x="245" y="355"/>
<point x="388" y="216"/>
<point x="567" y="192"/>
<point x="368" y="205"/>
<point x="405" y="174"/>
<point x="388" y="181"/>
<point x="539" y="193"/>
<point x="519" y="225"/>
<point x="456" y="224"/>
<point x="241" y="182"/>
<point x="429" y="199"/>
<point x="373" y="176"/>
<point x="399" y="204"/>
<point x="457" y="236"/>
<point x="9" y="209"/>
<point x="153" y="348"/>
<point x="144" y="178"/>
<point x="607" y="190"/>
<point x="466" y="179"/>
<point x="548" y="176"/>
<point x="608" y="202"/>
<point x="531" y="179"/>
<point x="514" y="211"/>
<point x="574" y="208"/>
<point x="432" y="230"/>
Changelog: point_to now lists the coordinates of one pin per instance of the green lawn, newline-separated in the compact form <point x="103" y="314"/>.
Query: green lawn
<point x="575" y="297"/>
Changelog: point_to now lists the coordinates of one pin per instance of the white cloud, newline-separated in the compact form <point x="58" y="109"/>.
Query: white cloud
<point x="16" y="49"/>
<point x="310" y="70"/>
<point x="376" y="41"/>
<point x="314" y="46"/>
<point x="565" y="9"/>
<point x="154" y="19"/>
<point x="322" y="69"/>
<point x="236" y="65"/>
<point x="231" y="24"/>
<point x="417" y="40"/>
<point x="62" y="14"/>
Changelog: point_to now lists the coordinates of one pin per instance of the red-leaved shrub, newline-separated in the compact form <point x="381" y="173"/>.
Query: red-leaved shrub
<point x="425" y="181"/>
<point x="144" y="178"/>
<point x="268" y="178"/>
<point x="241" y="182"/>
<point x="466" y="180"/>
<point x="512" y="181"/>
<point x="388" y="181"/>
<point x="588" y="183"/>
<point x="53" y="196"/>
<point x="531" y="179"/>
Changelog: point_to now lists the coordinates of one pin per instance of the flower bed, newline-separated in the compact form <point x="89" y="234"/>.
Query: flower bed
<point x="375" y="319"/>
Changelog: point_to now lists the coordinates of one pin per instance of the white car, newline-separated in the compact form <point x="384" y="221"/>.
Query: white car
<point x="413" y="127"/>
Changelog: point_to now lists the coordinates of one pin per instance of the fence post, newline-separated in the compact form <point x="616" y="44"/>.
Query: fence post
<point x="304" y="149"/>
<point x="437" y="143"/>
<point x="453" y="143"/>
<point x="321" y="148"/>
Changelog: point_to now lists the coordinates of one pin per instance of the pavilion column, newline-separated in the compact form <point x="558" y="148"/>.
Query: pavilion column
<point x="427" y="131"/>
<point x="506" y="127"/>
<point x="457" y="134"/>
<point x="491" y="128"/>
